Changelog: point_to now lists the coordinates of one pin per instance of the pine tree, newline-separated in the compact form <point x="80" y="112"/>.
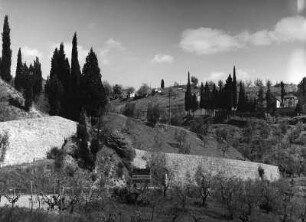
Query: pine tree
<point x="75" y="80"/>
<point x="162" y="84"/>
<point x="188" y="96"/>
<point x="283" y="93"/>
<point x="18" y="77"/>
<point x="234" y="88"/>
<point x="94" y="98"/>
<point x="37" y="85"/>
<point x="5" y="69"/>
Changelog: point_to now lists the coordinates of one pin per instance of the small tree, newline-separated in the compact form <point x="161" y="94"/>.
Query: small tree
<point x="162" y="175"/>
<point x="194" y="81"/>
<point x="143" y="91"/>
<point x="130" y="91"/>
<point x="204" y="184"/>
<point x="153" y="114"/>
<point x="162" y="84"/>
<point x="4" y="143"/>
<point x="117" y="91"/>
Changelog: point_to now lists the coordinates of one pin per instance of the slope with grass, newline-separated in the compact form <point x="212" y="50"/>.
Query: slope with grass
<point x="165" y="138"/>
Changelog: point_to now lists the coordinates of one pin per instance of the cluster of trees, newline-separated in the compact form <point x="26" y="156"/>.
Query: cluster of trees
<point x="68" y="90"/>
<point x="28" y="79"/>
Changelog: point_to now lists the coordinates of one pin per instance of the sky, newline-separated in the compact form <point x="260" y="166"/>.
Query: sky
<point x="144" y="41"/>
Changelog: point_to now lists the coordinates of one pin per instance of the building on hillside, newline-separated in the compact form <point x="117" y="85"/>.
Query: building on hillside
<point x="290" y="101"/>
<point x="141" y="176"/>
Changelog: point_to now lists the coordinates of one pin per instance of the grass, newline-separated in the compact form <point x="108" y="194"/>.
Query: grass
<point x="163" y="137"/>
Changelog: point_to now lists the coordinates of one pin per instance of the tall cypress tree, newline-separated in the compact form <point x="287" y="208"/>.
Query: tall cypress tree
<point x="188" y="96"/>
<point x="18" y="77"/>
<point x="283" y="93"/>
<point x="242" y="102"/>
<point x="260" y="98"/>
<point x="202" y="96"/>
<point x="229" y="93"/>
<point x="37" y="85"/>
<point x="162" y="84"/>
<point x="234" y="88"/>
<point x="28" y="91"/>
<point x="94" y="97"/>
<point x="194" y="104"/>
<point x="5" y="69"/>
<point x="75" y="81"/>
<point x="207" y="104"/>
<point x="269" y="98"/>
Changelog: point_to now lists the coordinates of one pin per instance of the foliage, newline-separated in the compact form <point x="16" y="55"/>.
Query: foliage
<point x="194" y="81"/>
<point x="234" y="88"/>
<point x="199" y="127"/>
<point x="58" y="156"/>
<point x="117" y="91"/>
<point x="130" y="90"/>
<point x="143" y="91"/>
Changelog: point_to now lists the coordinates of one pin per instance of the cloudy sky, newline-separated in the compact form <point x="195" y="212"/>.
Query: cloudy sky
<point x="142" y="41"/>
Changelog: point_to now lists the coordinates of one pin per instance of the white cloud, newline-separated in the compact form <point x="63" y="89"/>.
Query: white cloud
<point x="30" y="53"/>
<point x="203" y="41"/>
<point x="162" y="58"/>
<point x="113" y="44"/>
<point x="241" y="75"/>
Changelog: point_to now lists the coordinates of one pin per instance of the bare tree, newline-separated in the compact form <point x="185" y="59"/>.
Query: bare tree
<point x="204" y="183"/>
<point x="162" y="175"/>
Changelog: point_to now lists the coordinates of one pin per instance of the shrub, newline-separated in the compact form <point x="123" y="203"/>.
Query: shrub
<point x="199" y="127"/>
<point x="129" y="109"/>
<point x="261" y="172"/>
<point x="4" y="143"/>
<point x="153" y="114"/>
<point x="119" y="171"/>
<point x="58" y="156"/>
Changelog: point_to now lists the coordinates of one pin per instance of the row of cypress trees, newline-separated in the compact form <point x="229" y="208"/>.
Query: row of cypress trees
<point x="28" y="79"/>
<point x="69" y="90"/>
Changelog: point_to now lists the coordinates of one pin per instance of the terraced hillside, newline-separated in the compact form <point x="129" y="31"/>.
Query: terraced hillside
<point x="164" y="138"/>
<point x="183" y="164"/>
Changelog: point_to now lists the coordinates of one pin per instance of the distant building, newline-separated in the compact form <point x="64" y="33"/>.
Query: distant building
<point x="290" y="101"/>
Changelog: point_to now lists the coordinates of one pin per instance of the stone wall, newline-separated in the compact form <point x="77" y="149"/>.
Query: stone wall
<point x="31" y="139"/>
<point x="181" y="164"/>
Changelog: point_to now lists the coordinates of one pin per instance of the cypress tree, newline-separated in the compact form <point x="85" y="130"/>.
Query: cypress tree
<point x="202" y="96"/>
<point x="5" y="69"/>
<point x="283" y="92"/>
<point x="229" y="92"/>
<point x="37" y="85"/>
<point x="75" y="80"/>
<point x="234" y="88"/>
<point x="242" y="102"/>
<point x="260" y="98"/>
<point x="18" y="77"/>
<point x="188" y="96"/>
<point x="162" y="84"/>
<point x="94" y="98"/>
<point x="214" y="96"/>
<point x="194" y="104"/>
<point x="207" y="104"/>
<point x="269" y="98"/>
<point x="28" y="91"/>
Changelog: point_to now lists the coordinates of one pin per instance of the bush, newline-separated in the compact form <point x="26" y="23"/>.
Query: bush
<point x="57" y="155"/>
<point x="119" y="171"/>
<point x="153" y="114"/>
<point x="129" y="109"/>
<point x="199" y="127"/>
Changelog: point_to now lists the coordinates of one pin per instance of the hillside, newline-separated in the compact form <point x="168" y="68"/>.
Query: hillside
<point x="164" y="138"/>
<point x="11" y="104"/>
